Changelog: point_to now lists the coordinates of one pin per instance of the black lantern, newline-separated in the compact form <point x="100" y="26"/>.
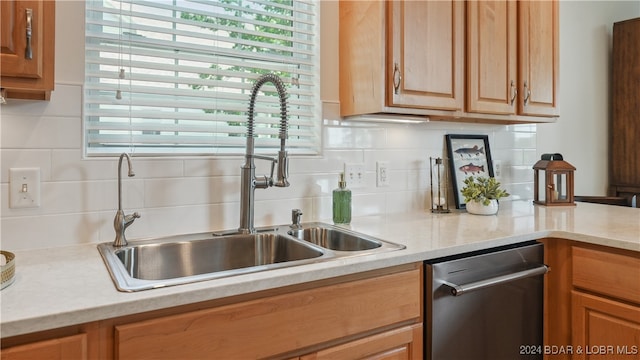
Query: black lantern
<point x="553" y="181"/>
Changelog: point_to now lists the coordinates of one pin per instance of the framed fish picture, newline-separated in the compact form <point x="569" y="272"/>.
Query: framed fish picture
<point x="469" y="155"/>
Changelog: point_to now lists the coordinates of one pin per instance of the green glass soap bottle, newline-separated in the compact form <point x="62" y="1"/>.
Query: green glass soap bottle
<point x="342" y="203"/>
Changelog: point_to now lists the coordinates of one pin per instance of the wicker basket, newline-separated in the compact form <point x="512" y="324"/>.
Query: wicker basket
<point x="8" y="269"/>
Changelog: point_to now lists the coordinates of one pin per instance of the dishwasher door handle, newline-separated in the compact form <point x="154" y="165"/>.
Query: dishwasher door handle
<point x="457" y="290"/>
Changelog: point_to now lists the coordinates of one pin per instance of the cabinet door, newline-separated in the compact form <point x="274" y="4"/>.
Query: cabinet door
<point x="26" y="56"/>
<point x="539" y="58"/>
<point x="604" y="328"/>
<point x="492" y="57"/>
<point x="71" y="347"/>
<point x="276" y="325"/>
<point x="399" y="344"/>
<point x="425" y="63"/>
<point x="16" y="15"/>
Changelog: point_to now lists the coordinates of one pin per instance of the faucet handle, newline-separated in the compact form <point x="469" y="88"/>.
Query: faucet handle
<point x="264" y="182"/>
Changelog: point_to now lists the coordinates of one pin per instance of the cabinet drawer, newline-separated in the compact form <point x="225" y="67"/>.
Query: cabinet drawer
<point x="606" y="273"/>
<point x="70" y="347"/>
<point x="278" y="324"/>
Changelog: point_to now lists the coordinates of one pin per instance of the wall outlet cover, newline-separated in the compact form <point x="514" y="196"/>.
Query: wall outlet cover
<point x="382" y="173"/>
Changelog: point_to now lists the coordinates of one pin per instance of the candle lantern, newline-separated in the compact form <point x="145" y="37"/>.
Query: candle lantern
<point x="553" y="181"/>
<point x="438" y="176"/>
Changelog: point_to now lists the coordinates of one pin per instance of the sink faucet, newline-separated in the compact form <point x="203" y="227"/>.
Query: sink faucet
<point x="122" y="221"/>
<point x="248" y="181"/>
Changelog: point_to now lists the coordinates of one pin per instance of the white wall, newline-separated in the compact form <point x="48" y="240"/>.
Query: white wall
<point x="179" y="195"/>
<point x="581" y="133"/>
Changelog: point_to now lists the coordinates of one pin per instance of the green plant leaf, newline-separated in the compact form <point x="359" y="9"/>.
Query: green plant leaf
<point x="482" y="189"/>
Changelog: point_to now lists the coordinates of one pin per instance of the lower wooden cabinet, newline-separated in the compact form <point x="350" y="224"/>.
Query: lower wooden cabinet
<point x="69" y="347"/>
<point x="399" y="344"/>
<point x="377" y="314"/>
<point x="592" y="302"/>
<point x="608" y="329"/>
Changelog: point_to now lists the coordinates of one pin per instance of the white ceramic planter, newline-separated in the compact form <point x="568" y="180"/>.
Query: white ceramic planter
<point x="476" y="207"/>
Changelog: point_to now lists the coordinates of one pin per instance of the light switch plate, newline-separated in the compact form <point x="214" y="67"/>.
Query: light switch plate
<point x="354" y="175"/>
<point x="24" y="188"/>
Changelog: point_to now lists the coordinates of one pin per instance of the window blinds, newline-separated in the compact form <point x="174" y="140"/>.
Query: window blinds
<point x="173" y="77"/>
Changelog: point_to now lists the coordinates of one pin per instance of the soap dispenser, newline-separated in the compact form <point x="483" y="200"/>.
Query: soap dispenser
<point x="342" y="203"/>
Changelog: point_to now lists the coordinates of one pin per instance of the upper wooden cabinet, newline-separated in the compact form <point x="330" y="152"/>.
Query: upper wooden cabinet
<point x="473" y="60"/>
<point x="425" y="55"/>
<point x="510" y="74"/>
<point x="401" y="56"/>
<point x="27" y="45"/>
<point x="538" y="57"/>
<point x="492" y="57"/>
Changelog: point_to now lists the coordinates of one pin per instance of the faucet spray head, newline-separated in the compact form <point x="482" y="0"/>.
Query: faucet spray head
<point x="283" y="169"/>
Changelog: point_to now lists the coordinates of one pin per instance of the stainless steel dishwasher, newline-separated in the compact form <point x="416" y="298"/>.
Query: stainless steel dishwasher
<point x="486" y="305"/>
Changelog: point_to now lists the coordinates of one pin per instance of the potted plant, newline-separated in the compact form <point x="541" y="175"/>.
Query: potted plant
<point x="481" y="195"/>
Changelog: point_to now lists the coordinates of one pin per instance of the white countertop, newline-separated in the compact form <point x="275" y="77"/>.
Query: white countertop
<point x="70" y="285"/>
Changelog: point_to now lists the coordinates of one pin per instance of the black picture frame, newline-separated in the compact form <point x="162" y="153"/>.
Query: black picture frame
<point x="468" y="155"/>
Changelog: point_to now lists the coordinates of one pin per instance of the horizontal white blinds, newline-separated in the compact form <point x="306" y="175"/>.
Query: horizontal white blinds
<point x="174" y="76"/>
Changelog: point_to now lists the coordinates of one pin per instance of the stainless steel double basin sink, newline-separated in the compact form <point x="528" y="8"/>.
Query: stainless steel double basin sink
<point x="181" y="259"/>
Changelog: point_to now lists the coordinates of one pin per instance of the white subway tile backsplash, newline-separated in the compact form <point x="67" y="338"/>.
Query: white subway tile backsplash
<point x="524" y="140"/>
<point x="38" y="158"/>
<point x="529" y="157"/>
<point x="198" y="194"/>
<point x="357" y="137"/>
<point x="42" y="231"/>
<point x="213" y="167"/>
<point x="190" y="191"/>
<point x="522" y="174"/>
<point x="33" y="132"/>
<point x="66" y="101"/>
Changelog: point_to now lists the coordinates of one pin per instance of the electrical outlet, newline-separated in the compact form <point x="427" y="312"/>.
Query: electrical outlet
<point x="382" y="173"/>
<point x="354" y="175"/>
<point x="24" y="188"/>
<point x="497" y="168"/>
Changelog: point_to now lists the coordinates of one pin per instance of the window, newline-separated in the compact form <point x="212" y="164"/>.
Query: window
<point x="173" y="77"/>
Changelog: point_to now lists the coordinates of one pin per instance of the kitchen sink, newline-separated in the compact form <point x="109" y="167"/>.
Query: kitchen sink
<point x="161" y="261"/>
<point x="181" y="259"/>
<point x="335" y="238"/>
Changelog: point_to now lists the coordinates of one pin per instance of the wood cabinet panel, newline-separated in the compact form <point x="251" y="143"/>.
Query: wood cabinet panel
<point x="399" y="344"/>
<point x="450" y="60"/>
<point x="605" y="273"/>
<point x="362" y="57"/>
<point x="606" y="329"/>
<point x="278" y="324"/>
<point x="426" y="58"/>
<point x="557" y="293"/>
<point x="624" y="161"/>
<point x="539" y="58"/>
<point x="22" y="77"/>
<point x="492" y="56"/>
<point x="65" y="348"/>
<point x="512" y="57"/>
<point x="14" y="39"/>
<point x="591" y="301"/>
<point x="401" y="57"/>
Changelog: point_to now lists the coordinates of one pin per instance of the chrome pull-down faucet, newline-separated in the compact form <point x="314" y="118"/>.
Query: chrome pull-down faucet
<point x="248" y="181"/>
<point x="122" y="221"/>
